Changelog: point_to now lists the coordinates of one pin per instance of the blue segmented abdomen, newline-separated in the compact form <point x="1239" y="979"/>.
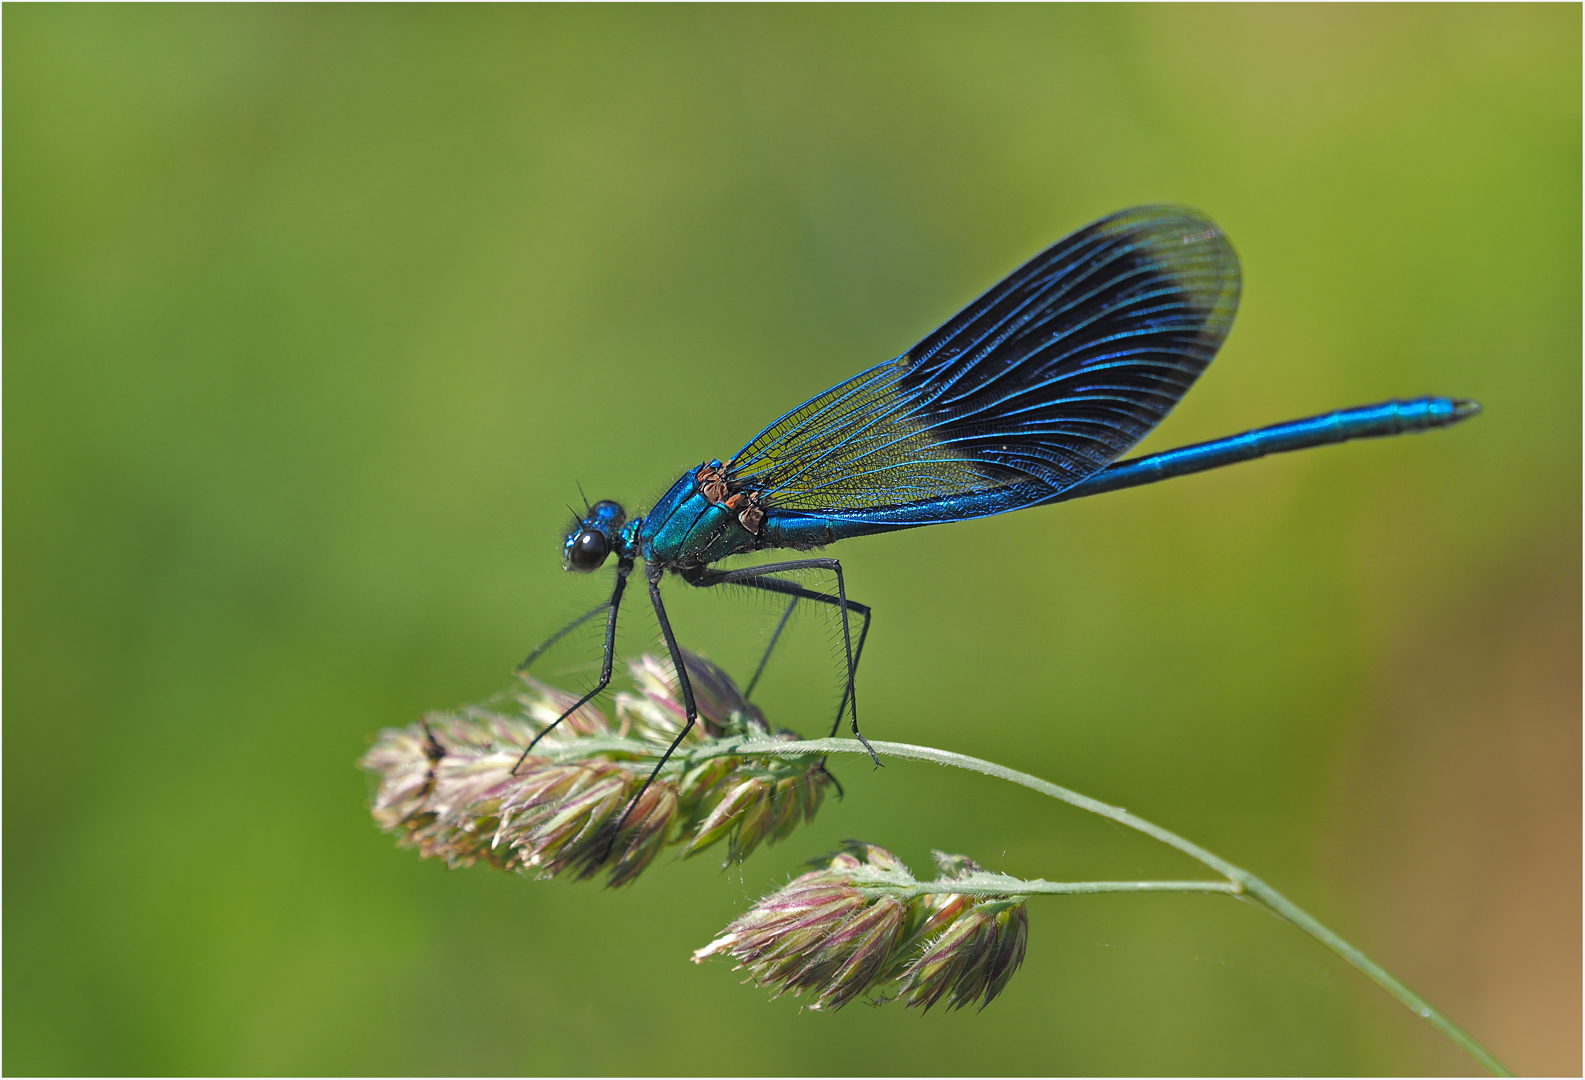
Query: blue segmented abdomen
<point x="1362" y="422"/>
<point x="809" y="529"/>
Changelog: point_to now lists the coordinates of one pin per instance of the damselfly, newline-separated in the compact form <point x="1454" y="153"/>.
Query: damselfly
<point x="1025" y="397"/>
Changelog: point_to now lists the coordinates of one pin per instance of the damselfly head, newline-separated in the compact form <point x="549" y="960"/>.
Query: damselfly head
<point x="591" y="540"/>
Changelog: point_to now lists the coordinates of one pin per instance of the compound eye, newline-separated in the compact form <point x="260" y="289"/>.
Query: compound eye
<point x="589" y="549"/>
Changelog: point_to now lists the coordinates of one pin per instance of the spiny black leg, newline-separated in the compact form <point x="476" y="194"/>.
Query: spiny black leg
<point x="771" y="648"/>
<point x="653" y="573"/>
<point x="623" y="568"/>
<point x="751" y="576"/>
<point x="563" y="632"/>
<point x="706" y="579"/>
<point x="858" y="656"/>
<point x="852" y="695"/>
<point x="756" y="577"/>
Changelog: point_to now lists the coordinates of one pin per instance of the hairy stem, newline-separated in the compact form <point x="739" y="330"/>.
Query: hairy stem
<point x="1247" y="885"/>
<point x="1000" y="885"/>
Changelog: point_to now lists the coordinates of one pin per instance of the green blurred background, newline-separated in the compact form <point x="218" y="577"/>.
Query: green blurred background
<point x="314" y="316"/>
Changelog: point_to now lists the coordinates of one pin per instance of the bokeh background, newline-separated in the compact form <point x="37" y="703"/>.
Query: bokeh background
<point x="315" y="317"/>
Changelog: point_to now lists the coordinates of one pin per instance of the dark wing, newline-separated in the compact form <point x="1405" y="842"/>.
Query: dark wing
<point x="1039" y="383"/>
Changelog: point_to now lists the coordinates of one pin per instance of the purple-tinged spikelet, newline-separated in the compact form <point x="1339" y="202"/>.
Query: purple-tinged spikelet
<point x="862" y="924"/>
<point x="452" y="786"/>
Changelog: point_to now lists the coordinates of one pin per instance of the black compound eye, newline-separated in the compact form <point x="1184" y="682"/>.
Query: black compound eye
<point x="589" y="549"/>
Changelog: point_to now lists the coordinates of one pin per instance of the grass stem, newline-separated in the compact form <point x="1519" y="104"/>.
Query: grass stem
<point x="1242" y="882"/>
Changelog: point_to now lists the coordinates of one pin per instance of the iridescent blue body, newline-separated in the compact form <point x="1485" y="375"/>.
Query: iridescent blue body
<point x="1025" y="398"/>
<point x="685" y="530"/>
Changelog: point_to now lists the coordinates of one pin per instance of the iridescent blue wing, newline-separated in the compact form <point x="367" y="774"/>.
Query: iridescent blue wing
<point x="1036" y="385"/>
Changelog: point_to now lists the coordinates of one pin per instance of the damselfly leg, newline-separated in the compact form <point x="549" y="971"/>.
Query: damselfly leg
<point x="760" y="577"/>
<point x="753" y="577"/>
<point x="690" y="712"/>
<point x="623" y="568"/>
